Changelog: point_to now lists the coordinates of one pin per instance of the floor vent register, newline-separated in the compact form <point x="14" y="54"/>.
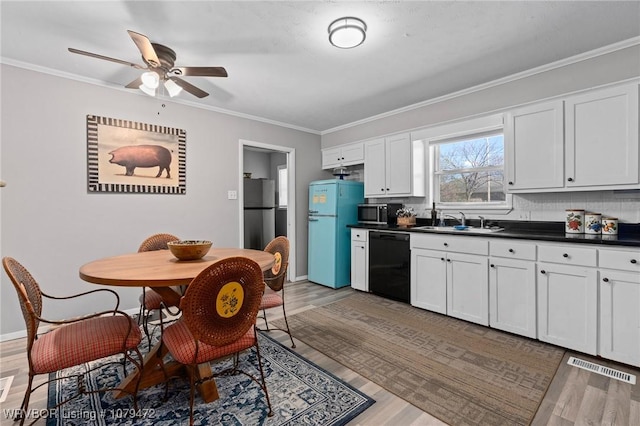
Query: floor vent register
<point x="602" y="370"/>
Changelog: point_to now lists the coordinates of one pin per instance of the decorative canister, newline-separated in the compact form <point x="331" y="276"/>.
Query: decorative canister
<point x="609" y="226"/>
<point x="574" y="222"/>
<point x="592" y="223"/>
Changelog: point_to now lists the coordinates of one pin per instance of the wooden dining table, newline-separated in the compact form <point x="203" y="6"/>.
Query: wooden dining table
<point x="160" y="270"/>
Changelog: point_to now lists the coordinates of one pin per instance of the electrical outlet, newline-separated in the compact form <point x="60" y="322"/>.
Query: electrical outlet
<point x="232" y="195"/>
<point x="524" y="215"/>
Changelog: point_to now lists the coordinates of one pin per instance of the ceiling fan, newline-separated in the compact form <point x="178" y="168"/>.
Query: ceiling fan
<point x="159" y="61"/>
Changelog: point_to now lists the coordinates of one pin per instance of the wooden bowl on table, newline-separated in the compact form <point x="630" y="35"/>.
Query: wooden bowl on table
<point x="189" y="249"/>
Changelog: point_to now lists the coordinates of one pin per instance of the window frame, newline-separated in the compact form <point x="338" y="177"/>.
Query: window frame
<point x="283" y="201"/>
<point x="434" y="173"/>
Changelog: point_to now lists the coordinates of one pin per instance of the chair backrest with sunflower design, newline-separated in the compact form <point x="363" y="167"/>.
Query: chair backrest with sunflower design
<point x="276" y="276"/>
<point x="222" y="302"/>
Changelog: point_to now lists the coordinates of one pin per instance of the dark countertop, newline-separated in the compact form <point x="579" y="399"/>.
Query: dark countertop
<point x="628" y="233"/>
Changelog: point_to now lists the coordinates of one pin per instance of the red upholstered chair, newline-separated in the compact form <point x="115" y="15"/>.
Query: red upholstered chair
<point x="219" y="311"/>
<point x="73" y="342"/>
<point x="275" y="279"/>
<point x="151" y="301"/>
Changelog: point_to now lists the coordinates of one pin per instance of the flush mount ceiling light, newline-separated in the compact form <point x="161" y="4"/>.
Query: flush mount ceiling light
<point x="347" y="32"/>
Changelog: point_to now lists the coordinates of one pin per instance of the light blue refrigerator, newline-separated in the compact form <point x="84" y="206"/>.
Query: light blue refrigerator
<point x="333" y="204"/>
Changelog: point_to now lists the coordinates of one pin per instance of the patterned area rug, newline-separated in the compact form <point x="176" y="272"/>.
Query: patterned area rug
<point x="461" y="373"/>
<point x="300" y="392"/>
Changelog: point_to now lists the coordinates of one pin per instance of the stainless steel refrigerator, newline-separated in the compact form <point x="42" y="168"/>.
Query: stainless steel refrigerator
<point x="259" y="212"/>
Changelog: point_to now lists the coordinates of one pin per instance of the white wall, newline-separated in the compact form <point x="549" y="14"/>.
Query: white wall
<point x="256" y="163"/>
<point x="52" y="225"/>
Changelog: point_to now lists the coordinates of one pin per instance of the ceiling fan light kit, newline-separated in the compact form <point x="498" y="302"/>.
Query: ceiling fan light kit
<point x="148" y="90"/>
<point x="159" y="61"/>
<point x="151" y="79"/>
<point x="172" y="88"/>
<point x="347" y="32"/>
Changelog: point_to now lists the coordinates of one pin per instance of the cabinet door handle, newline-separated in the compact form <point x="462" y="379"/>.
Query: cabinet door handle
<point x="565" y="255"/>
<point x="446" y="244"/>
<point x="543" y="271"/>
<point x="634" y="261"/>
<point x="492" y="265"/>
<point x="387" y="189"/>
<point x="570" y="179"/>
<point x="510" y="183"/>
<point x="382" y="189"/>
<point x="442" y="258"/>
<point x="448" y="260"/>
<point x="511" y="251"/>
<point x="605" y="279"/>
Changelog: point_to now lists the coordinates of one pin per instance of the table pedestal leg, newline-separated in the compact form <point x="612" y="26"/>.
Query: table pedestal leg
<point x="154" y="374"/>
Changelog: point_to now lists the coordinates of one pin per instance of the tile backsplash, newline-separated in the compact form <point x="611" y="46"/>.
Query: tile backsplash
<point x="551" y="206"/>
<point x="625" y="205"/>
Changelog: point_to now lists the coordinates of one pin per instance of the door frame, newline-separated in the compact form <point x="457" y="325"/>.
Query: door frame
<point x="291" y="197"/>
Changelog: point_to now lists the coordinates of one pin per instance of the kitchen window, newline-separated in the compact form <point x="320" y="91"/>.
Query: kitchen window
<point x="468" y="171"/>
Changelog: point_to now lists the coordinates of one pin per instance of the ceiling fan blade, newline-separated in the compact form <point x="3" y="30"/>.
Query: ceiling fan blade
<point x="189" y="87"/>
<point x="106" y="58"/>
<point x="135" y="84"/>
<point x="144" y="45"/>
<point x="200" y="71"/>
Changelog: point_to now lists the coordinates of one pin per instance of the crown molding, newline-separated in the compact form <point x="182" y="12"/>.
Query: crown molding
<point x="95" y="82"/>
<point x="524" y="74"/>
<point x="514" y="77"/>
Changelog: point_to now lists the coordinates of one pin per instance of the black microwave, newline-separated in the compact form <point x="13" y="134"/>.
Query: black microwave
<point x="378" y="214"/>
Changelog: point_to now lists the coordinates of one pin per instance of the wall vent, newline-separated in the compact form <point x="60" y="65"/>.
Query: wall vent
<point x="602" y="370"/>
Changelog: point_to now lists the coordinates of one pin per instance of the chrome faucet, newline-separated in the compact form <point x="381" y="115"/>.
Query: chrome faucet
<point x="481" y="221"/>
<point x="462" y="219"/>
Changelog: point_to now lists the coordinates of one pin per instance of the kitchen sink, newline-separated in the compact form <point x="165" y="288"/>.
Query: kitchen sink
<point x="468" y="230"/>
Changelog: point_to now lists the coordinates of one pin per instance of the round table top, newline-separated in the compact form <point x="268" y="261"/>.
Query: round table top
<point x="160" y="268"/>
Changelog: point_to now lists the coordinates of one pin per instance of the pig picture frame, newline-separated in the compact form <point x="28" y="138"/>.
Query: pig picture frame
<point x="129" y="157"/>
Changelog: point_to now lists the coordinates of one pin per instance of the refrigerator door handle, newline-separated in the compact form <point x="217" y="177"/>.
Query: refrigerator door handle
<point x="313" y="211"/>
<point x="312" y="219"/>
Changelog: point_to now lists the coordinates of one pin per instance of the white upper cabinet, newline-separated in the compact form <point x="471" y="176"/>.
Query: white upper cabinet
<point x="344" y="155"/>
<point x="394" y="166"/>
<point x="583" y="142"/>
<point x="534" y="144"/>
<point x="602" y="138"/>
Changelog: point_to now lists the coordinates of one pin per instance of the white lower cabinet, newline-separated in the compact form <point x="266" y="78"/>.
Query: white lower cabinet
<point x="429" y="280"/>
<point x="568" y="306"/>
<point x="360" y="259"/>
<point x="449" y="282"/>
<point x="577" y="296"/>
<point x="468" y="287"/>
<point x="620" y="316"/>
<point x="512" y="296"/>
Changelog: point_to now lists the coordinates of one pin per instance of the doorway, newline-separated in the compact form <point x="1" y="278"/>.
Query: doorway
<point x="261" y="161"/>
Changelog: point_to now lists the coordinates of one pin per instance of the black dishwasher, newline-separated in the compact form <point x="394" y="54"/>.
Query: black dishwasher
<point x="389" y="265"/>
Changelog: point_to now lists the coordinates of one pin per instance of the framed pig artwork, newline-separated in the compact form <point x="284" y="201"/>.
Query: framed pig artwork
<point x="125" y="156"/>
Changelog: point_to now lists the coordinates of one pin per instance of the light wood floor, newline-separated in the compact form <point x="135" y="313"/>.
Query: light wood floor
<point x="575" y="397"/>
